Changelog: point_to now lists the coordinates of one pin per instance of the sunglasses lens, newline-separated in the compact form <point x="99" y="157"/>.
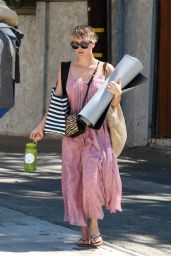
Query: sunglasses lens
<point x="74" y="45"/>
<point x="84" y="45"/>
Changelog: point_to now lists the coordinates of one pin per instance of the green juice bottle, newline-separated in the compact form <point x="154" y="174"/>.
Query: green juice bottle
<point x="30" y="162"/>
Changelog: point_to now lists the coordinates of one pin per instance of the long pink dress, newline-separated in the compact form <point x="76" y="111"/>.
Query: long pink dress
<point x="90" y="173"/>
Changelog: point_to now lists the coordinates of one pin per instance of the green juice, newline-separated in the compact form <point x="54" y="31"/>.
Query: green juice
<point x="30" y="161"/>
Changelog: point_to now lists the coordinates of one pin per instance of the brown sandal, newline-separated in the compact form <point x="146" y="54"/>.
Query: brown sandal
<point x="83" y="242"/>
<point x="93" y="240"/>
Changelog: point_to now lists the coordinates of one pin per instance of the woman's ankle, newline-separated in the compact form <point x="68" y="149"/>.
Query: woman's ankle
<point x="94" y="227"/>
<point x="85" y="232"/>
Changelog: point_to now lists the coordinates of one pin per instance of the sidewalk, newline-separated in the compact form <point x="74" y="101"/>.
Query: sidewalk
<point x="31" y="205"/>
<point x="25" y="235"/>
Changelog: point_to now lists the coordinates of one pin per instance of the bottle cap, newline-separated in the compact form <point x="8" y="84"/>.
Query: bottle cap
<point x="31" y="145"/>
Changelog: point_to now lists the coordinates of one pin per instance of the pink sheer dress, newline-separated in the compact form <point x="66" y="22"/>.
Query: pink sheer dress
<point x="90" y="173"/>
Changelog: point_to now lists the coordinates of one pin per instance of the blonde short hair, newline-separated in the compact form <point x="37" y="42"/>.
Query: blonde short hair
<point x="85" y="32"/>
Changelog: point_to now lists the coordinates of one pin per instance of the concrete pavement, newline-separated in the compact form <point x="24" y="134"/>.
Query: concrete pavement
<point x="143" y="227"/>
<point x="25" y="235"/>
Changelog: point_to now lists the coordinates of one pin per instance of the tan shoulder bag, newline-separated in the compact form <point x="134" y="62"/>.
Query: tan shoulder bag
<point x="116" y="124"/>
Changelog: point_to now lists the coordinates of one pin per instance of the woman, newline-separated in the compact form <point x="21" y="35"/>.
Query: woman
<point x="90" y="174"/>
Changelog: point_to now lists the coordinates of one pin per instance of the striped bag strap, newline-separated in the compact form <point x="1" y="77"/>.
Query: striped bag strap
<point x="65" y="66"/>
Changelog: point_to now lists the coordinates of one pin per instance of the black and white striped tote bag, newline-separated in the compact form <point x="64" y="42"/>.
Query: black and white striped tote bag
<point x="58" y="109"/>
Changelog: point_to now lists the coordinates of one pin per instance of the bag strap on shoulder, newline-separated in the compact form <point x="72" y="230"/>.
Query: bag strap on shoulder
<point x="65" y="66"/>
<point x="105" y="70"/>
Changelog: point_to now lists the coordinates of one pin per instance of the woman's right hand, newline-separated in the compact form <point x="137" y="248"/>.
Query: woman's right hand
<point x="37" y="134"/>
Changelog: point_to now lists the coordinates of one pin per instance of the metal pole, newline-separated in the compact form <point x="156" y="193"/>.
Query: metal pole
<point x="153" y="71"/>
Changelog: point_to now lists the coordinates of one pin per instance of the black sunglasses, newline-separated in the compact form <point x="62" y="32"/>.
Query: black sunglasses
<point x="83" y="44"/>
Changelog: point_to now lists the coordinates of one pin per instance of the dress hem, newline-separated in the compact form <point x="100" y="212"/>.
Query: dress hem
<point x="90" y="217"/>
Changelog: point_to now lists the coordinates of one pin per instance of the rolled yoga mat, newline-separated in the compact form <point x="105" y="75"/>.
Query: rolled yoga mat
<point x="128" y="69"/>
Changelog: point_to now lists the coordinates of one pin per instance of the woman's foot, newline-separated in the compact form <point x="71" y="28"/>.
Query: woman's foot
<point x="96" y="240"/>
<point x="95" y="237"/>
<point x="83" y="242"/>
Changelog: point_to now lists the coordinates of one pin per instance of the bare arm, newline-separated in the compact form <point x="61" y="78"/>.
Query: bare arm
<point x="38" y="133"/>
<point x="114" y="88"/>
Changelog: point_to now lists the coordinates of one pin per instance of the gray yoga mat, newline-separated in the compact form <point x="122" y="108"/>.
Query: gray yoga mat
<point x="129" y="69"/>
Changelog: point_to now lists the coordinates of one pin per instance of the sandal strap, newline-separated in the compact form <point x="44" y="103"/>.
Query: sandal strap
<point x="95" y="236"/>
<point x="84" y="240"/>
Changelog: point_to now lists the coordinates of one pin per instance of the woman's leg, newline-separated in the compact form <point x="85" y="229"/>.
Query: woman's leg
<point x="94" y="227"/>
<point x="85" y="232"/>
<point x="95" y="237"/>
<point x="84" y="241"/>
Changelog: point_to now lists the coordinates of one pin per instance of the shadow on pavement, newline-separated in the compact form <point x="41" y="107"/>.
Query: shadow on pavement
<point x="145" y="218"/>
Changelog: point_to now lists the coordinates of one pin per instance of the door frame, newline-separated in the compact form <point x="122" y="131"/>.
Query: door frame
<point x="108" y="27"/>
<point x="161" y="130"/>
<point x="153" y="78"/>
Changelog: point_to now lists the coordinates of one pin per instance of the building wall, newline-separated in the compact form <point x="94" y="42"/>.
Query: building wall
<point x="136" y="34"/>
<point x="72" y="14"/>
<point x="132" y="35"/>
<point x="63" y="16"/>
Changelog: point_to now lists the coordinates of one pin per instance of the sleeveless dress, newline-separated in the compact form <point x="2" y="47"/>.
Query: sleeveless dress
<point x="90" y="173"/>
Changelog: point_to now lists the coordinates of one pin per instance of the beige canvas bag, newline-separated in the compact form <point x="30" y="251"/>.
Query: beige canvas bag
<point x="116" y="124"/>
<point x="7" y="15"/>
<point x="117" y="128"/>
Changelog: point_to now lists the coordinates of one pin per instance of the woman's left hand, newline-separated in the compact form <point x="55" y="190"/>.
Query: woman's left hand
<point x="115" y="89"/>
